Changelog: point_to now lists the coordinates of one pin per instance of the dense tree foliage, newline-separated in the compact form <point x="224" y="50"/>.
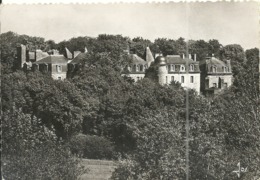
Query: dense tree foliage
<point x="32" y="151"/>
<point x="97" y="113"/>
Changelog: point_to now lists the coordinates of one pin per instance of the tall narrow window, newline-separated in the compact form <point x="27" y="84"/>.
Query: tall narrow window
<point x="214" y="69"/>
<point x="172" y="78"/>
<point x="166" y="80"/>
<point x="129" y="68"/>
<point x="191" y="67"/>
<point x="182" y="79"/>
<point x="141" y="67"/>
<point x="182" y="68"/>
<point x="172" y="67"/>
<point x="192" y="79"/>
<point x="58" y="67"/>
<point x="137" y="68"/>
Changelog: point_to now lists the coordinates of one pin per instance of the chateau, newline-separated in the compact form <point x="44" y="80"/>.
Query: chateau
<point x="208" y="76"/>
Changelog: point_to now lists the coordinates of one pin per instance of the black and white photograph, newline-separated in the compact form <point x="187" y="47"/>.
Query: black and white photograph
<point x="130" y="91"/>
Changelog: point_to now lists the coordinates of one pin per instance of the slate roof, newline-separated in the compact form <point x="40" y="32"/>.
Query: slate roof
<point x="176" y="59"/>
<point x="53" y="59"/>
<point x="79" y="58"/>
<point x="136" y="59"/>
<point x="149" y="56"/>
<point x="68" y="53"/>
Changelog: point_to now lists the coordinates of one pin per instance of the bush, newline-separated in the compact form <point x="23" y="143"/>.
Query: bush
<point x="91" y="147"/>
<point x="32" y="151"/>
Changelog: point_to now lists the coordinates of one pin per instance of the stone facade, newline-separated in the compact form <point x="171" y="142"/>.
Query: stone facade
<point x="216" y="75"/>
<point x="55" y="65"/>
<point x="139" y="66"/>
<point x="180" y="69"/>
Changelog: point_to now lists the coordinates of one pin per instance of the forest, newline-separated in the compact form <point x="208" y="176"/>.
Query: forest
<point x="49" y="125"/>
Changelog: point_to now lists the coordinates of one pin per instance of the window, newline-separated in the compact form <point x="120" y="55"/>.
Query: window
<point x="172" y="67"/>
<point x="182" y="68"/>
<point x="215" y="85"/>
<point x="59" y="68"/>
<point x="138" y="78"/>
<point x="191" y="67"/>
<point x="224" y="69"/>
<point x="213" y="69"/>
<point x="141" y="68"/>
<point x="182" y="79"/>
<point x="129" y="68"/>
<point x="59" y="78"/>
<point x="225" y="85"/>
<point x="192" y="79"/>
<point x="137" y="68"/>
<point x="172" y="78"/>
<point x="166" y="80"/>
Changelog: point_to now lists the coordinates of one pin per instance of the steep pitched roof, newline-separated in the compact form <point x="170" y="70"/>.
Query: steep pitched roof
<point x="215" y="61"/>
<point x="68" y="53"/>
<point x="79" y="58"/>
<point x="176" y="59"/>
<point x="149" y="56"/>
<point x="136" y="59"/>
<point x="53" y="59"/>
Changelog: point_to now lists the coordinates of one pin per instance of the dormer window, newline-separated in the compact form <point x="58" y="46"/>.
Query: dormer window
<point x="182" y="68"/>
<point x="59" y="68"/>
<point x="141" y="68"/>
<point x="172" y="67"/>
<point x="191" y="67"/>
<point x="137" y="68"/>
<point x="225" y="69"/>
<point x="213" y="69"/>
<point x="129" y="68"/>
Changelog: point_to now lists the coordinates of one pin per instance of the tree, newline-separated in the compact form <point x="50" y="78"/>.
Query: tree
<point x="199" y="47"/>
<point x="214" y="47"/>
<point x="138" y="46"/>
<point x="32" y="151"/>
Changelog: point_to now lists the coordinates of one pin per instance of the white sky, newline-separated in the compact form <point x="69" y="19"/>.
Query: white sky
<point x="229" y="22"/>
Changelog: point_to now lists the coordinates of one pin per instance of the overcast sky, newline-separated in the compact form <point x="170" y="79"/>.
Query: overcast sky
<point x="228" y="22"/>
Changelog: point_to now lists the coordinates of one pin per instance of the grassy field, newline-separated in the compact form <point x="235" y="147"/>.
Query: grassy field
<point x="98" y="169"/>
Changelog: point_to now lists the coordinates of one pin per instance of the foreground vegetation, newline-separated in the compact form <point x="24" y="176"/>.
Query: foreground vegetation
<point x="99" y="114"/>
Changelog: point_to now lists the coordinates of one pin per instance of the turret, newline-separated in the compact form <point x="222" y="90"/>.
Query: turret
<point x="162" y="71"/>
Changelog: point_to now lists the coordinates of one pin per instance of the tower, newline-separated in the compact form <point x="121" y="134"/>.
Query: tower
<point x="162" y="70"/>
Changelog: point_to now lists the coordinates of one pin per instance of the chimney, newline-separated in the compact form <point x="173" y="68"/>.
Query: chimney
<point x="21" y="54"/>
<point x="228" y="62"/>
<point x="157" y="54"/>
<point x="195" y="57"/>
<point x="189" y="56"/>
<point x="183" y="56"/>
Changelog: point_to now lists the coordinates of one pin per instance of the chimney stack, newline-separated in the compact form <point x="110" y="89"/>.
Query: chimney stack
<point x="157" y="54"/>
<point x="195" y="57"/>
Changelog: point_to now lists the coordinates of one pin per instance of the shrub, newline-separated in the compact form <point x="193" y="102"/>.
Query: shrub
<point x="91" y="147"/>
<point x="32" y="151"/>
